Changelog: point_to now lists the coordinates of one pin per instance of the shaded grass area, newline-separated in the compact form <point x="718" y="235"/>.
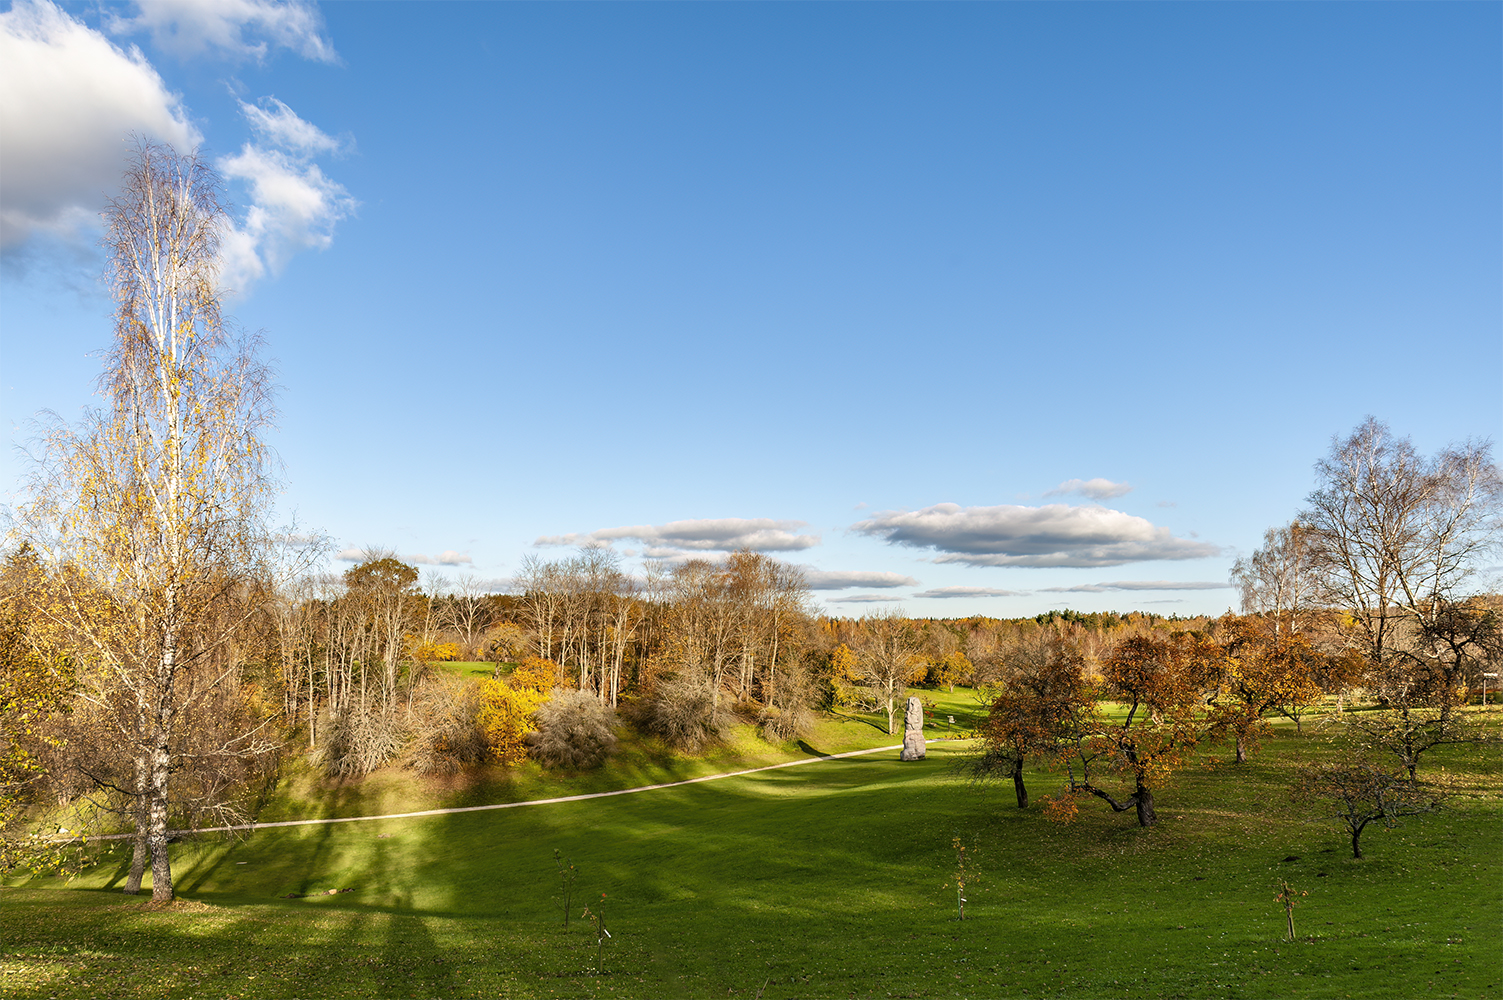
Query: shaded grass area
<point x="826" y="880"/>
<point x="639" y="760"/>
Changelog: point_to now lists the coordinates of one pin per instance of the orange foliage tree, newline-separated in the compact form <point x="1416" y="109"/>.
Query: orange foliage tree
<point x="1037" y="712"/>
<point x="507" y="707"/>
<point x="1161" y="681"/>
<point x="1264" y="668"/>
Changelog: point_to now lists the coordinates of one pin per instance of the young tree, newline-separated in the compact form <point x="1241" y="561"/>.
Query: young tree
<point x="1364" y="793"/>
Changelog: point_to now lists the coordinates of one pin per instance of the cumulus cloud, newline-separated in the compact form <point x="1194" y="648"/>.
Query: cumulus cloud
<point x="1054" y="535"/>
<point x="682" y="539"/>
<point x="1095" y="489"/>
<point x="864" y="599"/>
<point x="294" y="206"/>
<point x="945" y="593"/>
<point x="69" y="98"/>
<point x="231" y="29"/>
<point x="1101" y="588"/>
<point x="820" y="579"/>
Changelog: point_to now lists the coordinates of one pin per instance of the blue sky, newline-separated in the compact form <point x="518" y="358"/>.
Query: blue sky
<point x="972" y="308"/>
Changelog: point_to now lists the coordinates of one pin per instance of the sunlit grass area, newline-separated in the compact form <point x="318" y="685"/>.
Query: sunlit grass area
<point x="821" y="880"/>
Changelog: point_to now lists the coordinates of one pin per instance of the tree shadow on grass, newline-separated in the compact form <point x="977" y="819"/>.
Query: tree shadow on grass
<point x="879" y="727"/>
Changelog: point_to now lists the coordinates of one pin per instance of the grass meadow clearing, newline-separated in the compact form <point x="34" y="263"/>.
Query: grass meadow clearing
<point x="832" y="879"/>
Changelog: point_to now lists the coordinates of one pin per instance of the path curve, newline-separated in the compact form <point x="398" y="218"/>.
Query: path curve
<point x="507" y="805"/>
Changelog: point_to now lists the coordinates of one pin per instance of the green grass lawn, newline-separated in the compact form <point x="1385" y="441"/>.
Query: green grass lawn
<point x="823" y="880"/>
<point x="474" y="668"/>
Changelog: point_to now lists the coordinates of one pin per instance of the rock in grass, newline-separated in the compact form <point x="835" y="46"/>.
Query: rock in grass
<point x="913" y="731"/>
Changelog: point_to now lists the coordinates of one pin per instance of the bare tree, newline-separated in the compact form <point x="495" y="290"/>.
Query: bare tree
<point x="467" y="612"/>
<point x="1279" y="579"/>
<point x="156" y="504"/>
<point x="887" y="647"/>
<point x="1397" y="535"/>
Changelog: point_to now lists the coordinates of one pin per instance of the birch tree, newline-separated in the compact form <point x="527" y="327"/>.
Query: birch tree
<point x="157" y="500"/>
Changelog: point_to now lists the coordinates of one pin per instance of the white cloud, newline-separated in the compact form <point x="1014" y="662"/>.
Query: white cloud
<point x="446" y="558"/>
<point x="1095" y="489"/>
<point x="820" y="579"/>
<point x="231" y="29"/>
<point x="279" y="125"/>
<point x="69" y="99"/>
<point x="678" y="539"/>
<point x="864" y="599"/>
<point x="1100" y="588"/>
<point x="1053" y="535"/>
<point x="944" y="593"/>
<point x="294" y="206"/>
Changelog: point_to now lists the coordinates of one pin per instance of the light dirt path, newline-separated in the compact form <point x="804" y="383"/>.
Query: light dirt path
<point x="510" y="805"/>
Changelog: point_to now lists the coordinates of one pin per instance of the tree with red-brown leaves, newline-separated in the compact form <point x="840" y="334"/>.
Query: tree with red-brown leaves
<point x="1264" y="669"/>
<point x="1162" y="682"/>
<point x="1037" y="712"/>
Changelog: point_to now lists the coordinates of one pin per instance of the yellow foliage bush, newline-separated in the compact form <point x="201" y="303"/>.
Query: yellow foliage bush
<point x="506" y="718"/>
<point x="433" y="652"/>
<point x="536" y="674"/>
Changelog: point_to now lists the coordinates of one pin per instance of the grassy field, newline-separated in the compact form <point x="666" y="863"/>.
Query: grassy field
<point x="822" y="880"/>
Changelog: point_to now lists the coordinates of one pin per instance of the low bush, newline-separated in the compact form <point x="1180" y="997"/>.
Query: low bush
<point x="445" y="734"/>
<point x="682" y="711"/>
<point x="574" y="731"/>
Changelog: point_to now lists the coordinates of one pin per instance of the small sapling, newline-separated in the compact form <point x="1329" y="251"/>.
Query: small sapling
<point x="598" y="916"/>
<point x="567" y="874"/>
<point x="1287" y="895"/>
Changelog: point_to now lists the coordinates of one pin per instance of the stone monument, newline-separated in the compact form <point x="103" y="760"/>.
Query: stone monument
<point x="913" y="731"/>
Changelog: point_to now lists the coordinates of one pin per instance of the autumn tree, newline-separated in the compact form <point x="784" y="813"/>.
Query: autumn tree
<point x="1265" y="668"/>
<point x="35" y="686"/>
<point x="1040" y="707"/>
<point x="1161" y="683"/>
<point x="158" y="500"/>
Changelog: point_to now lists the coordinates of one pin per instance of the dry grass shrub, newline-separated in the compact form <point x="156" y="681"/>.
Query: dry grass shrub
<point x="787" y="714"/>
<point x="574" y="731"/>
<point x="445" y="735"/>
<point x="681" y="710"/>
<point x="358" y="743"/>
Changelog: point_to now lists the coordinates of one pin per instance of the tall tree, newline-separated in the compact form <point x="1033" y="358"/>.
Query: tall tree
<point x="1279" y="579"/>
<point x="1397" y="535"/>
<point x="158" y="501"/>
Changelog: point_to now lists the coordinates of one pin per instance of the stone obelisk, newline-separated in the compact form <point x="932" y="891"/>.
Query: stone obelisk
<point x="913" y="731"/>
